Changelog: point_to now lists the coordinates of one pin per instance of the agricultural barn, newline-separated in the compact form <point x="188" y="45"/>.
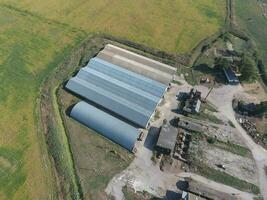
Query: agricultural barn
<point x="126" y="94"/>
<point x="139" y="64"/>
<point x="167" y="139"/>
<point x="106" y="125"/>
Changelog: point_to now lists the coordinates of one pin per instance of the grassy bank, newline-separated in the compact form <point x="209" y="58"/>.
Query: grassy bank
<point x="222" y="177"/>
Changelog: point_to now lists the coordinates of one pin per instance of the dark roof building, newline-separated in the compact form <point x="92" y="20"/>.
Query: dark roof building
<point x="189" y="125"/>
<point x="192" y="102"/>
<point x="230" y="75"/>
<point x="167" y="139"/>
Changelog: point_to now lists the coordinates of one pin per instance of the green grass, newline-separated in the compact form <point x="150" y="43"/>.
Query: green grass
<point x="251" y="19"/>
<point x="233" y="148"/>
<point x="222" y="177"/>
<point x="176" y="82"/>
<point x="209" y="107"/>
<point x="231" y="123"/>
<point x="173" y="26"/>
<point x="206" y="117"/>
<point x="26" y="56"/>
<point x="188" y="73"/>
<point x="130" y="194"/>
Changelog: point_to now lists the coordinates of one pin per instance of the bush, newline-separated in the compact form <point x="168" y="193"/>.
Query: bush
<point x="263" y="71"/>
<point x="248" y="69"/>
<point x="211" y="140"/>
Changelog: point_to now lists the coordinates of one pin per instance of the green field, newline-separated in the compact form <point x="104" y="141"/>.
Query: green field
<point x="37" y="35"/>
<point x="174" y="26"/>
<point x="250" y="18"/>
<point x="29" y="49"/>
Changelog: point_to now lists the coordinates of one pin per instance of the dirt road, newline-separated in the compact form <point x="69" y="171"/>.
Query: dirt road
<point x="217" y="186"/>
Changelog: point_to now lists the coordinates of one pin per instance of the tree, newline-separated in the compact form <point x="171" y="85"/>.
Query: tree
<point x="221" y="63"/>
<point x="261" y="109"/>
<point x="248" y="69"/>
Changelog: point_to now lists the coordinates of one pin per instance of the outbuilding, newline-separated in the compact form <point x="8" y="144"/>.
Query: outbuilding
<point x="230" y="75"/>
<point x="167" y="139"/>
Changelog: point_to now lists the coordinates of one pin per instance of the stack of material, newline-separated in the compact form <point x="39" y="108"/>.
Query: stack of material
<point x="138" y="64"/>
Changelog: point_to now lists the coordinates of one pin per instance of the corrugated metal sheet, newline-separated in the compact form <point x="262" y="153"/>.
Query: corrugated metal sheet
<point x="119" y="88"/>
<point x="105" y="124"/>
<point x="108" y="100"/>
<point x="136" y="67"/>
<point x="136" y="80"/>
<point x="141" y="59"/>
<point x="127" y="94"/>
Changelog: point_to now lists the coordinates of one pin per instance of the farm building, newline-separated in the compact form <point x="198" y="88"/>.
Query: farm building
<point x="107" y="125"/>
<point x="189" y="125"/>
<point x="230" y="75"/>
<point x="167" y="139"/>
<point x="193" y="103"/>
<point x="139" y="64"/>
<point x="126" y="94"/>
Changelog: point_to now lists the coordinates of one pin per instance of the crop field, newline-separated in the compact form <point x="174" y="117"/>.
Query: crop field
<point x="174" y="26"/>
<point x="250" y="17"/>
<point x="29" y="49"/>
<point x="37" y="35"/>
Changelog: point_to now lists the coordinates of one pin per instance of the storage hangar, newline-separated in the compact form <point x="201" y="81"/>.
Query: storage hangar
<point x="139" y="64"/>
<point x="125" y="93"/>
<point x="106" y="125"/>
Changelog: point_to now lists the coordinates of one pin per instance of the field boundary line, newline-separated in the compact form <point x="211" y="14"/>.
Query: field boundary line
<point x="41" y="18"/>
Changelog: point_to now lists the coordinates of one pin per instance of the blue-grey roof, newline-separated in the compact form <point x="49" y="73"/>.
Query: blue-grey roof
<point x="153" y="87"/>
<point x="105" y="124"/>
<point x="108" y="100"/>
<point x="119" y="88"/>
<point x="230" y="75"/>
<point x="122" y="92"/>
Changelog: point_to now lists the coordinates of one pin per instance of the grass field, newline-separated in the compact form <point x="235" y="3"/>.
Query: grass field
<point x="175" y="26"/>
<point x="29" y="49"/>
<point x="97" y="159"/>
<point x="37" y="35"/>
<point x="250" y="18"/>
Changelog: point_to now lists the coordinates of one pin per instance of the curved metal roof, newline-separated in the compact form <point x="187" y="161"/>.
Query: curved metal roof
<point x="119" y="88"/>
<point x="108" y="100"/>
<point x="135" y="66"/>
<point x="105" y="124"/>
<point x="146" y="84"/>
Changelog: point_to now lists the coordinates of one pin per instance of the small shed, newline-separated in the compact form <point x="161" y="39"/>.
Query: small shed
<point x="230" y="75"/>
<point x="167" y="139"/>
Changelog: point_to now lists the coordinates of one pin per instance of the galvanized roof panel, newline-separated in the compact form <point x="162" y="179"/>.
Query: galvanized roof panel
<point x="119" y="88"/>
<point x="110" y="101"/>
<point x="105" y="124"/>
<point x="148" y="85"/>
